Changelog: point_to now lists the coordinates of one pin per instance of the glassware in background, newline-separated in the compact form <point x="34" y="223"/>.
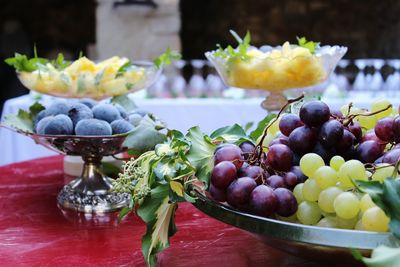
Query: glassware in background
<point x="392" y="84"/>
<point x="177" y="83"/>
<point x="196" y="84"/>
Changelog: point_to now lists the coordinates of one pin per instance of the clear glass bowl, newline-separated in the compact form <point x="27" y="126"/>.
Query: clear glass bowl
<point x="315" y="243"/>
<point x="89" y="84"/>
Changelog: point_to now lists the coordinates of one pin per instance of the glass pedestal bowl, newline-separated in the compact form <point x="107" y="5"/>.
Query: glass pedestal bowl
<point x="91" y="192"/>
<point x="329" y="245"/>
<point x="277" y="74"/>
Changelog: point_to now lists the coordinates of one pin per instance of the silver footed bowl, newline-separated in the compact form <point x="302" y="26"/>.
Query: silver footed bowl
<point x="91" y="192"/>
<point x="328" y="245"/>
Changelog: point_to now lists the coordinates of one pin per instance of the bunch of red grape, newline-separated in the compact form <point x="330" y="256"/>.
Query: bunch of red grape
<point x="262" y="183"/>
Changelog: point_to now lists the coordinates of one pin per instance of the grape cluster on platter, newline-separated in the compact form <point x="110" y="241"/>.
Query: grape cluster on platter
<point x="86" y="117"/>
<point x="302" y="169"/>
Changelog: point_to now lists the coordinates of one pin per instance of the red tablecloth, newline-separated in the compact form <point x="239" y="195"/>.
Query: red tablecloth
<point x="35" y="232"/>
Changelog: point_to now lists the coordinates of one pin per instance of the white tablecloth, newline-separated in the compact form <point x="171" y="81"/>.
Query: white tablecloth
<point x="180" y="114"/>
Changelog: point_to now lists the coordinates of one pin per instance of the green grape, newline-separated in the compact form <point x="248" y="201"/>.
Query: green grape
<point x="311" y="190"/>
<point x="308" y="213"/>
<point x="346" y="223"/>
<point x="379" y="105"/>
<point x="366" y="202"/>
<point x="267" y="139"/>
<point x="329" y="222"/>
<point x="383" y="171"/>
<point x="352" y="169"/>
<point x="367" y="122"/>
<point x="359" y="226"/>
<point x="274" y="128"/>
<point x="336" y="162"/>
<point x="310" y="162"/>
<point x="327" y="197"/>
<point x="325" y="177"/>
<point x="374" y="219"/>
<point x="298" y="193"/>
<point x="346" y="205"/>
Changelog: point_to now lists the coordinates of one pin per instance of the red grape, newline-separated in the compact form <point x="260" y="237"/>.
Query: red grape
<point x="337" y="113"/>
<point x="288" y="123"/>
<point x="369" y="151"/>
<point x="255" y="172"/>
<point x="247" y="149"/>
<point x="276" y="181"/>
<point x="384" y="129"/>
<point x="217" y="194"/>
<point x="326" y="154"/>
<point x="229" y="153"/>
<point x="287" y="204"/>
<point x="314" y="113"/>
<point x="355" y="128"/>
<point x="330" y="134"/>
<point x="391" y="157"/>
<point x="396" y="129"/>
<point x="290" y="179"/>
<point x="223" y="174"/>
<point x="300" y="175"/>
<point x="302" y="140"/>
<point x="238" y="192"/>
<point x="280" y="157"/>
<point x="263" y="201"/>
<point x="345" y="142"/>
<point x="280" y="140"/>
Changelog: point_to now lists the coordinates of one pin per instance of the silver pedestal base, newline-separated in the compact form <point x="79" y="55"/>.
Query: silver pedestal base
<point x="108" y="202"/>
<point x="92" y="191"/>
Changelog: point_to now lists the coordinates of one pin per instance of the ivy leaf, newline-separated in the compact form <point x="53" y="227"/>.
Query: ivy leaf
<point x="126" y="102"/>
<point x="386" y="195"/>
<point x="381" y="256"/>
<point x="166" y="58"/>
<point x="310" y="45"/>
<point x="201" y="154"/>
<point x="144" y="137"/>
<point x="230" y="134"/>
<point x="261" y="126"/>
<point x="23" y="121"/>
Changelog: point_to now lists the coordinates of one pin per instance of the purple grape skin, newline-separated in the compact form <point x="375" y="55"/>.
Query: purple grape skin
<point x="280" y="140"/>
<point x="369" y="151"/>
<point x="223" y="174"/>
<point x="290" y="179"/>
<point x="391" y="156"/>
<point x="302" y="140"/>
<point x="330" y="134"/>
<point x="276" y="181"/>
<point x="288" y="123"/>
<point x="241" y="172"/>
<point x="355" y="128"/>
<point x="301" y="178"/>
<point x="337" y="113"/>
<point x="222" y="146"/>
<point x="255" y="172"/>
<point x="229" y="153"/>
<point x="247" y="149"/>
<point x="263" y="201"/>
<point x="345" y="142"/>
<point x="314" y="113"/>
<point x="239" y="191"/>
<point x="280" y="157"/>
<point x="326" y="154"/>
<point x="384" y="129"/>
<point x="287" y="204"/>
<point x="396" y="129"/>
<point x="217" y="194"/>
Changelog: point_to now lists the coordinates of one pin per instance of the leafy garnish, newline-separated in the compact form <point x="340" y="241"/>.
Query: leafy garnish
<point x="23" y="121"/>
<point x="123" y="69"/>
<point x="381" y="256"/>
<point x="22" y="63"/>
<point x="241" y="50"/>
<point x="60" y="63"/>
<point x="310" y="45"/>
<point x="385" y="195"/>
<point x="167" y="57"/>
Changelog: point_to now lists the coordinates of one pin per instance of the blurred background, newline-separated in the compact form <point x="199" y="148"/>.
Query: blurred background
<point x="142" y="29"/>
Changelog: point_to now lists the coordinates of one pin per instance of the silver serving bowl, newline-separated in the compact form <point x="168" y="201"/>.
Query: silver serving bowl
<point x="315" y="243"/>
<point x="91" y="192"/>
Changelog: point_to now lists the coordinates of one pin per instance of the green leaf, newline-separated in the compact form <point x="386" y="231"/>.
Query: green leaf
<point x="310" y="45"/>
<point x="229" y="134"/>
<point x="144" y="137"/>
<point x="110" y="169"/>
<point x="261" y="126"/>
<point x="123" y="69"/>
<point x="386" y="195"/>
<point x="201" y="154"/>
<point x="241" y="50"/>
<point x="382" y="256"/>
<point x="60" y="63"/>
<point x="126" y="102"/>
<point x="167" y="57"/>
<point x="35" y="109"/>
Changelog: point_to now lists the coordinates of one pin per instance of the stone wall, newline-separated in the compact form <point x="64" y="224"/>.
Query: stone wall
<point x="370" y="28"/>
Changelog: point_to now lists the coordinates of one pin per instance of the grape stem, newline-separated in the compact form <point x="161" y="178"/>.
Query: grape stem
<point x="256" y="156"/>
<point x="352" y="116"/>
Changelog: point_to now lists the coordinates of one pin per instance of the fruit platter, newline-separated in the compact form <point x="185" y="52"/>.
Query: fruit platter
<point x="275" y="69"/>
